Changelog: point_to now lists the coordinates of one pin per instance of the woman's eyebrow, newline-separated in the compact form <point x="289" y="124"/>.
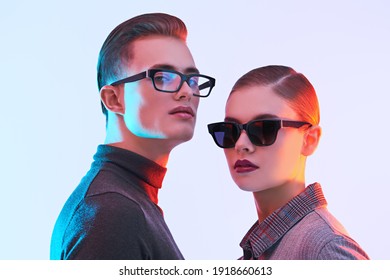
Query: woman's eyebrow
<point x="257" y="117"/>
<point x="228" y="119"/>
<point x="266" y="116"/>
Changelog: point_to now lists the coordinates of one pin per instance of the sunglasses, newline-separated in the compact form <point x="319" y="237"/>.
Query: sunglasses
<point x="260" y="132"/>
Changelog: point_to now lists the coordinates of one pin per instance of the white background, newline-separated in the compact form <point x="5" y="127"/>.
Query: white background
<point x="51" y="120"/>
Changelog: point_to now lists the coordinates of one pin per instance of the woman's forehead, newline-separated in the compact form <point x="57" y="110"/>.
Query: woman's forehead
<point x="251" y="102"/>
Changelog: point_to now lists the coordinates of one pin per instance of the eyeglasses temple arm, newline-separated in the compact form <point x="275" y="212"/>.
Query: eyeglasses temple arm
<point x="210" y="83"/>
<point x="134" y="78"/>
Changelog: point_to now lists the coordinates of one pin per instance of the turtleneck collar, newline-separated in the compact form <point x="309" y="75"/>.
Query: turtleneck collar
<point x="149" y="173"/>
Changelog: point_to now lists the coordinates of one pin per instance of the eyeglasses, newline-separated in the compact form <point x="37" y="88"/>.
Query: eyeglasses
<point x="171" y="81"/>
<point x="260" y="132"/>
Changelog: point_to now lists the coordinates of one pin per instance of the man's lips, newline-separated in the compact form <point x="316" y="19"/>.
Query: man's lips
<point x="182" y="110"/>
<point x="242" y="166"/>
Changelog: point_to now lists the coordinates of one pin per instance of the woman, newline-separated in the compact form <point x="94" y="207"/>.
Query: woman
<point x="271" y="126"/>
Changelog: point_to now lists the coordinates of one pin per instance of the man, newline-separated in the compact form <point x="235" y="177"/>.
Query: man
<point x="150" y="88"/>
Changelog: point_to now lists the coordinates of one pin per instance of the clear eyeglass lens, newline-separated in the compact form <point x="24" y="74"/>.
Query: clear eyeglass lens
<point x="200" y="85"/>
<point x="168" y="81"/>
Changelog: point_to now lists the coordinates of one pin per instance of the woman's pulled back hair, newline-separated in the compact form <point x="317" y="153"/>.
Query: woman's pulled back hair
<point x="288" y="84"/>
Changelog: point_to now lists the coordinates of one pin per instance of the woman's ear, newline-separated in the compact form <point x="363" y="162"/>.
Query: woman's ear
<point x="112" y="98"/>
<point x="311" y="140"/>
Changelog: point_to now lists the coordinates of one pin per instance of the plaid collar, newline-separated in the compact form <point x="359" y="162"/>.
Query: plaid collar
<point x="262" y="236"/>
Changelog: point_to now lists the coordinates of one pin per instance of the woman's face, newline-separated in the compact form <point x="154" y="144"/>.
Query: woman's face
<point x="255" y="168"/>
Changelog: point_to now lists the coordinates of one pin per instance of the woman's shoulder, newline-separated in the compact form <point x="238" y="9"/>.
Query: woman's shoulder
<point x="324" y="237"/>
<point x="322" y="223"/>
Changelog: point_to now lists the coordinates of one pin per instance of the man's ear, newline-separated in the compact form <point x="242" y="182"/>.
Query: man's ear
<point x="112" y="98"/>
<point x="311" y="140"/>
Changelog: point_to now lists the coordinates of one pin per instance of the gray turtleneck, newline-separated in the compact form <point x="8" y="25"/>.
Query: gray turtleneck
<point x="113" y="213"/>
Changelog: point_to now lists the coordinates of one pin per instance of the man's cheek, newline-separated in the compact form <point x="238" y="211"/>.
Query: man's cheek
<point x="151" y="122"/>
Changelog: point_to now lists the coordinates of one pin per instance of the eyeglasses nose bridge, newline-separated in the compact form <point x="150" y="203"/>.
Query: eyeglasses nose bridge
<point x="184" y="79"/>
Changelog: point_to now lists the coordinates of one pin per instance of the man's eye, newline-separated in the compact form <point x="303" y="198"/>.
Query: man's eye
<point x="194" y="82"/>
<point x="163" y="78"/>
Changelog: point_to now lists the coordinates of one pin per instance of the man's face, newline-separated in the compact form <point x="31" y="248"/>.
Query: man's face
<point x="153" y="114"/>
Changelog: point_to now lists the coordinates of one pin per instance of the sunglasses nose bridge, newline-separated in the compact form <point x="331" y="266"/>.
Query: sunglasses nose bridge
<point x="242" y="143"/>
<point x="239" y="128"/>
<point x="243" y="126"/>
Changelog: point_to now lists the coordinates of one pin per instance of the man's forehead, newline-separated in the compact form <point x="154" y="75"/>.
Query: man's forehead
<point x="168" y="66"/>
<point x="161" y="52"/>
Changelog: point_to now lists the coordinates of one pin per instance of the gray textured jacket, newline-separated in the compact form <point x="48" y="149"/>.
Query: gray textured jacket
<point x="303" y="229"/>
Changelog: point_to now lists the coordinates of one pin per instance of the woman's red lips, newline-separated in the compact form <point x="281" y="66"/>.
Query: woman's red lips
<point x="182" y="110"/>
<point x="242" y="166"/>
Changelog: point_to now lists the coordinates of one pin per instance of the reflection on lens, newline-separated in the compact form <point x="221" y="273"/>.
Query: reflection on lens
<point x="225" y="135"/>
<point x="263" y="133"/>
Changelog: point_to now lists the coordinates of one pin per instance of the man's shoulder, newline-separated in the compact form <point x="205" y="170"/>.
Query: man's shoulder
<point x="109" y="179"/>
<point x="109" y="209"/>
<point x="101" y="226"/>
<point x="100" y="195"/>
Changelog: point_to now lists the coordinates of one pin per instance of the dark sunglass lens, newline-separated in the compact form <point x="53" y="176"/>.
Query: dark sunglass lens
<point x="225" y="135"/>
<point x="263" y="133"/>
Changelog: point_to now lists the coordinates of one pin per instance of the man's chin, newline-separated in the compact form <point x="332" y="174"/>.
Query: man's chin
<point x="185" y="138"/>
<point x="180" y="139"/>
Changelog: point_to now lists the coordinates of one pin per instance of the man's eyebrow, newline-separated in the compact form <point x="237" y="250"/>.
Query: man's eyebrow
<point x="171" y="67"/>
<point x="257" y="117"/>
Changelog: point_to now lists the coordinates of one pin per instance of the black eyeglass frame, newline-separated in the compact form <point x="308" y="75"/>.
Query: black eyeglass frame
<point x="184" y="78"/>
<point x="239" y="127"/>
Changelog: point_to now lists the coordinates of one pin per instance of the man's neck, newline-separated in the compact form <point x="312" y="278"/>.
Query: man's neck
<point x="118" y="135"/>
<point x="152" y="152"/>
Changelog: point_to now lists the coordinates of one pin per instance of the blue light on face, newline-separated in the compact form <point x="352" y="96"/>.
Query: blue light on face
<point x="133" y="103"/>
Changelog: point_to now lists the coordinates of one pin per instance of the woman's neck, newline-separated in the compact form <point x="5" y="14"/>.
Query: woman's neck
<point x="271" y="199"/>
